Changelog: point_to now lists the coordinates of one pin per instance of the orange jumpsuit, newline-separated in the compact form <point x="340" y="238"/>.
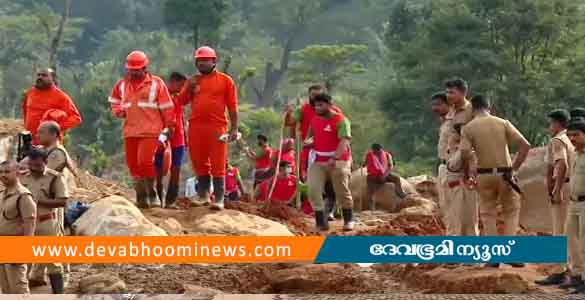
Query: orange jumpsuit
<point x="215" y="92"/>
<point x="37" y="103"/>
<point x="147" y="109"/>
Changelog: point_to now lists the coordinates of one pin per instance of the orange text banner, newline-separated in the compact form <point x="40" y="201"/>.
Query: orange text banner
<point x="168" y="250"/>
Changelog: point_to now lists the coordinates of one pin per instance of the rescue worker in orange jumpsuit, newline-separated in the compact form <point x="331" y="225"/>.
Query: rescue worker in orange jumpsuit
<point x="46" y="102"/>
<point x="144" y="102"/>
<point x="210" y="94"/>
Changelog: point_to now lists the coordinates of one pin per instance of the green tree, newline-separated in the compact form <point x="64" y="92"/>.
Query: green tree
<point x="327" y="63"/>
<point x="202" y="18"/>
<point x="519" y="53"/>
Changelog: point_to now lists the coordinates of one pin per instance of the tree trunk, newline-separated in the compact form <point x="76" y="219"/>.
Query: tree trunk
<point x="56" y="41"/>
<point x="195" y="35"/>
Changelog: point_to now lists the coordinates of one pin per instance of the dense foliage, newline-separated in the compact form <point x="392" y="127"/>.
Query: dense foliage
<point x="380" y="58"/>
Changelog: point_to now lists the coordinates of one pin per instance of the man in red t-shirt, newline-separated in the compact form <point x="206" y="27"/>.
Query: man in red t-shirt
<point x="177" y="144"/>
<point x="285" y="188"/>
<point x="330" y="159"/>
<point x="379" y="165"/>
<point x="262" y="156"/>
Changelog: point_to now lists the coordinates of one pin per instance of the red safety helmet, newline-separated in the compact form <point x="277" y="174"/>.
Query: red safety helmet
<point x="204" y="52"/>
<point x="136" y="60"/>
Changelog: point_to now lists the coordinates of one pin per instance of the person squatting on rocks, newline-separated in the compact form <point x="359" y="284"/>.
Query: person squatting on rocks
<point x="234" y="188"/>
<point x="285" y="186"/>
<point x="490" y="137"/>
<point x="143" y="101"/>
<point x="50" y="193"/>
<point x="177" y="144"/>
<point x="379" y="165"/>
<point x="330" y="158"/>
<point x="210" y="93"/>
<point x="18" y="217"/>
<point x="559" y="159"/>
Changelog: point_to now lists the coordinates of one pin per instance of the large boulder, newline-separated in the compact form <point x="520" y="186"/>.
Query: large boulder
<point x="386" y="199"/>
<point x="535" y="212"/>
<point x="233" y="222"/>
<point x="115" y="216"/>
<point x="105" y="283"/>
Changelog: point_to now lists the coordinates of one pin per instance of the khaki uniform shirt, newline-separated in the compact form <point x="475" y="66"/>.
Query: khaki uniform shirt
<point x="560" y="147"/>
<point x="490" y="137"/>
<point x="462" y="115"/>
<point x="50" y="185"/>
<point x="443" y="145"/>
<point x="58" y="158"/>
<point x="16" y="204"/>
<point x="578" y="176"/>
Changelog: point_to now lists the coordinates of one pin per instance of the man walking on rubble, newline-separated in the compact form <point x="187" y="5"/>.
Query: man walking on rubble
<point x="559" y="158"/>
<point x="211" y="93"/>
<point x="330" y="159"/>
<point x="490" y="137"/>
<point x="143" y="101"/>
<point x="177" y="144"/>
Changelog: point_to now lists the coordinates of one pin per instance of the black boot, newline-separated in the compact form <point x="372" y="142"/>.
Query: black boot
<point x="553" y="279"/>
<point x="321" y="221"/>
<point x="151" y="194"/>
<point x="57" y="284"/>
<point x="172" y="193"/>
<point x="219" y="190"/>
<point x="574" y="281"/>
<point x="141" y="196"/>
<point x="348" y="223"/>
<point x="579" y="289"/>
<point x="203" y="186"/>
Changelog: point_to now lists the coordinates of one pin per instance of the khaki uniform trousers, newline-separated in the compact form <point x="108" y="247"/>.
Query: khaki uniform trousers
<point x="575" y="230"/>
<point x="559" y="212"/>
<point x="442" y="191"/>
<point x="463" y="211"/>
<point x="318" y="175"/>
<point x="47" y="228"/>
<point x="13" y="279"/>
<point x="494" y="190"/>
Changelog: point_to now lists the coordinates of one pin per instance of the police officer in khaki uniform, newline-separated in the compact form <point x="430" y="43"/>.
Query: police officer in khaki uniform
<point x="460" y="112"/>
<point x="463" y="201"/>
<point x="575" y="227"/>
<point x="559" y="158"/>
<point x="441" y="108"/>
<point x="18" y="214"/>
<point x="50" y="193"/>
<point x="49" y="136"/>
<point x="490" y="138"/>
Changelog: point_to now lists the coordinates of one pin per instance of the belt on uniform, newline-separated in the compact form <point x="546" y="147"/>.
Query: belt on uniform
<point x="578" y="199"/>
<point x="493" y="170"/>
<point x="506" y="174"/>
<point x="455" y="183"/>
<point x="46" y="217"/>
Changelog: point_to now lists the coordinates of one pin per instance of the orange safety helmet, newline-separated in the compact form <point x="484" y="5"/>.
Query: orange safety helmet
<point x="136" y="60"/>
<point x="204" y="52"/>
